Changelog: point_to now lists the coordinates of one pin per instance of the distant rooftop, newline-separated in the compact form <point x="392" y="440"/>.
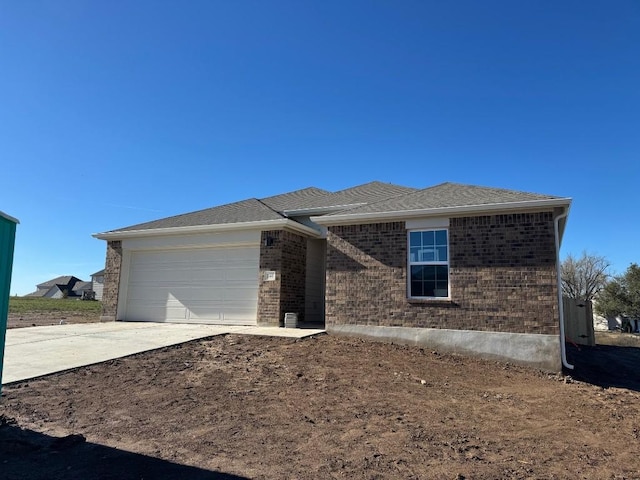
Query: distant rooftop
<point x="64" y="280"/>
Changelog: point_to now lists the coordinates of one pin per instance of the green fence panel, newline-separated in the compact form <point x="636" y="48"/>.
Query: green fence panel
<point x="7" y="242"/>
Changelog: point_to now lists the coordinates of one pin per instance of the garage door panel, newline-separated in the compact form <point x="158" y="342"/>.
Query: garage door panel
<point x="241" y="274"/>
<point x="159" y="293"/>
<point x="235" y="317"/>
<point x="203" y="294"/>
<point x="205" y="314"/>
<point x="189" y="296"/>
<point x="238" y="294"/>
<point x="216" y="285"/>
<point x="157" y="313"/>
<point x="181" y="274"/>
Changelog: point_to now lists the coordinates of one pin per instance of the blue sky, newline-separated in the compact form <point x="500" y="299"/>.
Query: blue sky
<point x="115" y="113"/>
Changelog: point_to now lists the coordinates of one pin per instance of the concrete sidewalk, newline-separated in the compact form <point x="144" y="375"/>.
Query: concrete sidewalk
<point x="35" y="351"/>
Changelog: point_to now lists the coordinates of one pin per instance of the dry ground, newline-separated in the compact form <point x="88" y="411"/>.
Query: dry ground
<point x="41" y="319"/>
<point x="37" y="311"/>
<point x="324" y="407"/>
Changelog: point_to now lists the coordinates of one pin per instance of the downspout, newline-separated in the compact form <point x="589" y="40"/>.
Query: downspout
<point x="563" y="347"/>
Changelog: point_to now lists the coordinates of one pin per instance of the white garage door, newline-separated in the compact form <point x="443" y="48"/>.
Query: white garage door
<point x="205" y="285"/>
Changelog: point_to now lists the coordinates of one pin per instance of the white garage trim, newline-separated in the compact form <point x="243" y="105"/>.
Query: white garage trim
<point x="281" y="224"/>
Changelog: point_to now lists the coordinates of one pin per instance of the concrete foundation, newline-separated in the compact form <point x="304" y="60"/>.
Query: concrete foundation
<point x="532" y="350"/>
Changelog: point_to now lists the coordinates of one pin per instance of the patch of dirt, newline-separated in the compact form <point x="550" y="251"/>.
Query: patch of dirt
<point x="39" y="319"/>
<point x="318" y="408"/>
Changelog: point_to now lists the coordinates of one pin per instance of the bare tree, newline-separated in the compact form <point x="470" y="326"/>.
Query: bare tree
<point x="584" y="277"/>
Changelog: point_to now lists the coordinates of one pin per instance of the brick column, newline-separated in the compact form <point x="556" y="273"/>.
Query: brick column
<point x="269" y="290"/>
<point x="294" y="269"/>
<point x="285" y="254"/>
<point x="113" y="265"/>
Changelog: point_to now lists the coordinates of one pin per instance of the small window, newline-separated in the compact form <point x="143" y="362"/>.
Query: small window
<point x="428" y="264"/>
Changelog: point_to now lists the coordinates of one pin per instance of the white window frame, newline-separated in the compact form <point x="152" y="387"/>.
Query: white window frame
<point x="436" y="263"/>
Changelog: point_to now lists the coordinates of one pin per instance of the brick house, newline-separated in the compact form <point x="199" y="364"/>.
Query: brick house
<point x="455" y="267"/>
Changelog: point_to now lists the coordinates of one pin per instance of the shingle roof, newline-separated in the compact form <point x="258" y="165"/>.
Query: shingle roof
<point x="82" y="286"/>
<point x="254" y="210"/>
<point x="368" y="192"/>
<point x="41" y="292"/>
<point x="367" y="199"/>
<point x="99" y="272"/>
<point x="251" y="210"/>
<point x="64" y="280"/>
<point x="447" y="195"/>
<point x="292" y="200"/>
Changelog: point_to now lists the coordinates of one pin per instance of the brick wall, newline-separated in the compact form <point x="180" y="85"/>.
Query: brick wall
<point x="502" y="276"/>
<point x="294" y="267"/>
<point x="284" y="253"/>
<point x="113" y="265"/>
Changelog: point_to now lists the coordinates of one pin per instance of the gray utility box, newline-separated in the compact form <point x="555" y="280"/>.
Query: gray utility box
<point x="290" y="320"/>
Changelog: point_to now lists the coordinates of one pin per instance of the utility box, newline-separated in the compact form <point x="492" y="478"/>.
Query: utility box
<point x="7" y="241"/>
<point x="290" y="320"/>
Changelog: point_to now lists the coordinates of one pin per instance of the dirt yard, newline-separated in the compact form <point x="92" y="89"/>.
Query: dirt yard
<point x="237" y="407"/>
<point x="39" y="319"/>
<point x="36" y="311"/>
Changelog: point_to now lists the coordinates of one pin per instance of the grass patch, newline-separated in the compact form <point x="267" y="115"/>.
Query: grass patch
<point x="618" y="339"/>
<point x="20" y="305"/>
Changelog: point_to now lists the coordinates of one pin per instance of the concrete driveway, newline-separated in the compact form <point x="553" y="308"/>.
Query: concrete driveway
<point x="36" y="351"/>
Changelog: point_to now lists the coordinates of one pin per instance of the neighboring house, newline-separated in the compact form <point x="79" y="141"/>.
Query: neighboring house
<point x="97" y="281"/>
<point x="56" y="288"/>
<point x="83" y="290"/>
<point x="455" y="267"/>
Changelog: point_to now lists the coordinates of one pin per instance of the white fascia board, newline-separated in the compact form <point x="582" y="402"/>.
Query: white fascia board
<point x="284" y="224"/>
<point x="346" y="219"/>
<point x="9" y="217"/>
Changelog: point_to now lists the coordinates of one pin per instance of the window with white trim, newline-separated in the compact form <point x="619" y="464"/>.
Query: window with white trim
<point x="429" y="263"/>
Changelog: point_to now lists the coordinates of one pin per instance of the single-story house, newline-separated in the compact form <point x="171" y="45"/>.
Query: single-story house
<point x="59" y="287"/>
<point x="455" y="267"/>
